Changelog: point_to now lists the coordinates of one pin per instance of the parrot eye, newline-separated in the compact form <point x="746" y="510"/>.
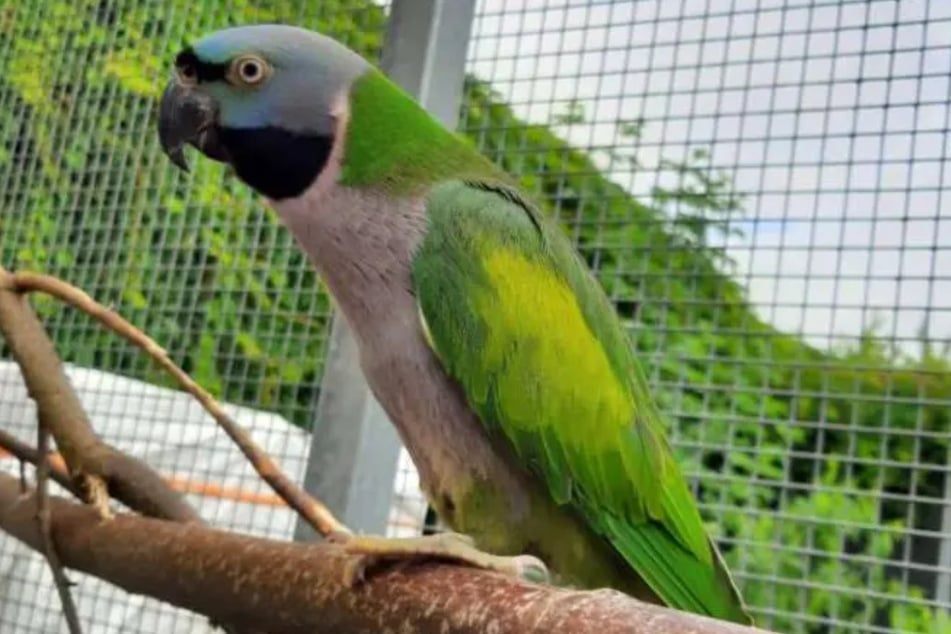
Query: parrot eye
<point x="249" y="70"/>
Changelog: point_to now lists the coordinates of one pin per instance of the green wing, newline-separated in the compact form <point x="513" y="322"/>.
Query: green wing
<point x="516" y="318"/>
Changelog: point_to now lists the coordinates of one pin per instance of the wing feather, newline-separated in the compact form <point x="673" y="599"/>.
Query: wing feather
<point x="518" y="321"/>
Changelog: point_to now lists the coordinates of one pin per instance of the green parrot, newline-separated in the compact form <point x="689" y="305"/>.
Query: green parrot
<point x="481" y="332"/>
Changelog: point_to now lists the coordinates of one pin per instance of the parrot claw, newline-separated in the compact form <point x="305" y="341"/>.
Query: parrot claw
<point x="355" y="572"/>
<point x="446" y="546"/>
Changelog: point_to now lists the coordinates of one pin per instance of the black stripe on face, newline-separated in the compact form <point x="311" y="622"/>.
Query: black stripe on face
<point x="190" y="66"/>
<point x="274" y="162"/>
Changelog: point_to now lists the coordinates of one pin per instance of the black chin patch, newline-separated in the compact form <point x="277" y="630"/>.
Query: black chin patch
<point x="276" y="163"/>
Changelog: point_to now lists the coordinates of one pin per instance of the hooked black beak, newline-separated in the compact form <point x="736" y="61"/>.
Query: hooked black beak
<point x="188" y="116"/>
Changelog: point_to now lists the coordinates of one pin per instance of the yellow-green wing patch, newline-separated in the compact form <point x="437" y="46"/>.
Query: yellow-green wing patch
<point x="516" y="319"/>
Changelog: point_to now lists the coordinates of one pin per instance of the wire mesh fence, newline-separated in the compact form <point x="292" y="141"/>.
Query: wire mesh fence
<point x="761" y="187"/>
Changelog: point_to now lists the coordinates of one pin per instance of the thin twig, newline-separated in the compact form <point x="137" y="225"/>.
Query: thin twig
<point x="43" y="520"/>
<point x="89" y="468"/>
<point x="24" y="487"/>
<point x="27" y="454"/>
<point x="95" y="467"/>
<point x="313" y="511"/>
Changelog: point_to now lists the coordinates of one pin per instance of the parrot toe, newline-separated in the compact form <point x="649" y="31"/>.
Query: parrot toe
<point x="532" y="569"/>
<point x="456" y="547"/>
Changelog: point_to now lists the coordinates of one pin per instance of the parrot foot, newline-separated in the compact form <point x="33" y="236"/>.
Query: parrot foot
<point x="447" y="546"/>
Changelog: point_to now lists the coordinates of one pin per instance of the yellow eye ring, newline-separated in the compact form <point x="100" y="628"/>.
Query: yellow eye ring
<point x="248" y="70"/>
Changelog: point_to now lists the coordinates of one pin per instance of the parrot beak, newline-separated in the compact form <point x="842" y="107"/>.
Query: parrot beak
<point x="188" y="116"/>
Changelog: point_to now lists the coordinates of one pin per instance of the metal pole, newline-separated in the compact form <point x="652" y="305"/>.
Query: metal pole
<point x="354" y="447"/>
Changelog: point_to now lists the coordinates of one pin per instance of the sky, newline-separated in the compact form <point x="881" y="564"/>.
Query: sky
<point x="831" y="117"/>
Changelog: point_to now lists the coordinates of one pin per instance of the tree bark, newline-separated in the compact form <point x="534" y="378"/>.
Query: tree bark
<point x="297" y="588"/>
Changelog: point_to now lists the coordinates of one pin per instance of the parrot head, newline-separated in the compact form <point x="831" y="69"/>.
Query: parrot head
<point x="261" y="98"/>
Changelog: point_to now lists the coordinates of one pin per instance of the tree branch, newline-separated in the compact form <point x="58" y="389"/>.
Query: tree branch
<point x="27" y="454"/>
<point x="295" y="588"/>
<point x="44" y="527"/>
<point x="313" y="511"/>
<point x="92" y="464"/>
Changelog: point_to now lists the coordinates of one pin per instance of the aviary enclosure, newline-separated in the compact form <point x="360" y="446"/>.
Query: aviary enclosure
<point x="763" y="187"/>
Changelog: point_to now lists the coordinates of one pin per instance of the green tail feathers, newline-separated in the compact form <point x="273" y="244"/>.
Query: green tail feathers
<point x="681" y="581"/>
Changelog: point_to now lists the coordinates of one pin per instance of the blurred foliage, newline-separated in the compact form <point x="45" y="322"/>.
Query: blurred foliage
<point x="195" y="261"/>
<point x="805" y="461"/>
